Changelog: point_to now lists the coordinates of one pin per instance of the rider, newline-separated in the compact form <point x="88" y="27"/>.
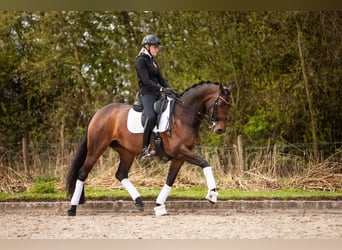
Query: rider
<point x="151" y="83"/>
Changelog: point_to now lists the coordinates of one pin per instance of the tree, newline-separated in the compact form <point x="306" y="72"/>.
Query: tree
<point x="58" y="68"/>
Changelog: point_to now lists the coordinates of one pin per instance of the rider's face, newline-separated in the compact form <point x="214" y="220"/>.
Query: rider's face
<point x="154" y="50"/>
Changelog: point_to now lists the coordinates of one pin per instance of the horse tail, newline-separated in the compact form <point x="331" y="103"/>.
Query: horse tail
<point x="75" y="167"/>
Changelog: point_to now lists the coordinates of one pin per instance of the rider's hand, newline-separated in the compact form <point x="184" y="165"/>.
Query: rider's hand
<point x="169" y="91"/>
<point x="175" y="92"/>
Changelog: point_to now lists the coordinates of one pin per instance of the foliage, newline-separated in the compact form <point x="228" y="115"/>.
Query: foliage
<point x="58" y="68"/>
<point x="44" y="188"/>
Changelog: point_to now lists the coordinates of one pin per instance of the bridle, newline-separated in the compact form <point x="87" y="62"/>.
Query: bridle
<point x="213" y="117"/>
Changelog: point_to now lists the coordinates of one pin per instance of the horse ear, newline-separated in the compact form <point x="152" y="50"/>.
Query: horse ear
<point x="221" y="87"/>
<point x="230" y="86"/>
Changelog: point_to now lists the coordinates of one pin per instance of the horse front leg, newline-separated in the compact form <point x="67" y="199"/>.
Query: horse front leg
<point x="212" y="191"/>
<point x="174" y="168"/>
<point x="190" y="157"/>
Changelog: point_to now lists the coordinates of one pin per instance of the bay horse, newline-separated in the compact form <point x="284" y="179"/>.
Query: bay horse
<point x="108" y="128"/>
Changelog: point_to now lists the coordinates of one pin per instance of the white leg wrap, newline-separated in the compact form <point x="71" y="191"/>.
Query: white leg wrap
<point x="210" y="178"/>
<point x="75" y="200"/>
<point x="212" y="196"/>
<point x="133" y="192"/>
<point x="160" y="210"/>
<point x="164" y="193"/>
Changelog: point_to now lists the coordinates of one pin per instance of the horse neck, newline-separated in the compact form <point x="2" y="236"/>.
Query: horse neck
<point x="197" y="98"/>
<point x="194" y="101"/>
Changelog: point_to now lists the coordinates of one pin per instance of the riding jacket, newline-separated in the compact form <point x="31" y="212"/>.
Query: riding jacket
<point x="149" y="76"/>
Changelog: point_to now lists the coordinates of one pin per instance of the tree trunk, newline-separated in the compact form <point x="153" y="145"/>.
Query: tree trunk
<point x="313" y="121"/>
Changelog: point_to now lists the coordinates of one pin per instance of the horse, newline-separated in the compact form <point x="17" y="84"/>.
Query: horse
<point x="108" y="128"/>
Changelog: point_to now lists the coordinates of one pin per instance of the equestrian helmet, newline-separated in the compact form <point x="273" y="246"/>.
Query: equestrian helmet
<point x="151" y="40"/>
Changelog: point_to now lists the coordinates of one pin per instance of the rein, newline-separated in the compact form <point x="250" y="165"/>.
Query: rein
<point x="196" y="114"/>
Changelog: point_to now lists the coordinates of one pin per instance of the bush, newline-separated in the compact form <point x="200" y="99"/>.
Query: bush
<point x="44" y="187"/>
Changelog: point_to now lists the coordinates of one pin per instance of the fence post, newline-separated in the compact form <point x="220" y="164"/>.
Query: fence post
<point x="239" y="155"/>
<point x="25" y="155"/>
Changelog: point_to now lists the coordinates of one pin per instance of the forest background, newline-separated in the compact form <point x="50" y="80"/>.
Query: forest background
<point x="58" y="68"/>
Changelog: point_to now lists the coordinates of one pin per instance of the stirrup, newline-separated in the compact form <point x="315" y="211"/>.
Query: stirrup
<point x="145" y="153"/>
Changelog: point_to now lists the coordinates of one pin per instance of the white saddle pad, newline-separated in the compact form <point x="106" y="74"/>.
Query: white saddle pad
<point x="134" y="121"/>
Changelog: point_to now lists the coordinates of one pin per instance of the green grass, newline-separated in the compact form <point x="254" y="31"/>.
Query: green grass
<point x="47" y="192"/>
<point x="285" y="194"/>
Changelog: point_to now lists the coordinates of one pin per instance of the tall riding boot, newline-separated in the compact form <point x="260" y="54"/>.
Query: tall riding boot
<point x="149" y="124"/>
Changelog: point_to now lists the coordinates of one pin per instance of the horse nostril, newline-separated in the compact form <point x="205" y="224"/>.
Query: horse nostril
<point x="219" y="131"/>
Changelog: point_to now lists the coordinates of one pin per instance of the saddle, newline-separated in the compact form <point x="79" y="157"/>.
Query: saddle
<point x="137" y="105"/>
<point x="159" y="107"/>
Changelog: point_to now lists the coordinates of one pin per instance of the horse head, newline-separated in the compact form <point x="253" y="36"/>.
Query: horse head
<point x="219" y="104"/>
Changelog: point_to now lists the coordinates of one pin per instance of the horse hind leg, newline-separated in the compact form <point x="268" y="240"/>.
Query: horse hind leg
<point x="133" y="192"/>
<point x="126" y="160"/>
<point x="78" y="196"/>
<point x="174" y="168"/>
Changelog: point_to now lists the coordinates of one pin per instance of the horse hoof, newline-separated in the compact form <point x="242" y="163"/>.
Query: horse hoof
<point x="140" y="207"/>
<point x="160" y="210"/>
<point x="139" y="204"/>
<point x="212" y="196"/>
<point x="72" y="211"/>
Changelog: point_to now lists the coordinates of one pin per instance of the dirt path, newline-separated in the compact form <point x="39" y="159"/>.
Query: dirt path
<point x="47" y="225"/>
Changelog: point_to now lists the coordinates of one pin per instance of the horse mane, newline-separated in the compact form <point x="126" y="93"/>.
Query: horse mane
<point x="198" y="84"/>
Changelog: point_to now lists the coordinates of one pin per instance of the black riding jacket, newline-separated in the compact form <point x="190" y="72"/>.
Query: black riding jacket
<point x="149" y="76"/>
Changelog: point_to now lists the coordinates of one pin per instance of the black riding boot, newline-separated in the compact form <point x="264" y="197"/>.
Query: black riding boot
<point x="149" y="124"/>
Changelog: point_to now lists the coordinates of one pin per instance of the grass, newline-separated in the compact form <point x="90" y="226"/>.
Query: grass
<point x="275" y="172"/>
<point x="286" y="194"/>
<point x="47" y="192"/>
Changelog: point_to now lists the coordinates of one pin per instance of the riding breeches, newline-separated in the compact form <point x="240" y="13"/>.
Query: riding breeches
<point x="151" y="116"/>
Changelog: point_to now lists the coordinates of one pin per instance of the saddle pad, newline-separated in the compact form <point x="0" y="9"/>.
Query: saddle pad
<point x="134" y="121"/>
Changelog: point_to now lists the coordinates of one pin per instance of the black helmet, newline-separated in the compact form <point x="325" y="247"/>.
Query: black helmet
<point x="150" y="39"/>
